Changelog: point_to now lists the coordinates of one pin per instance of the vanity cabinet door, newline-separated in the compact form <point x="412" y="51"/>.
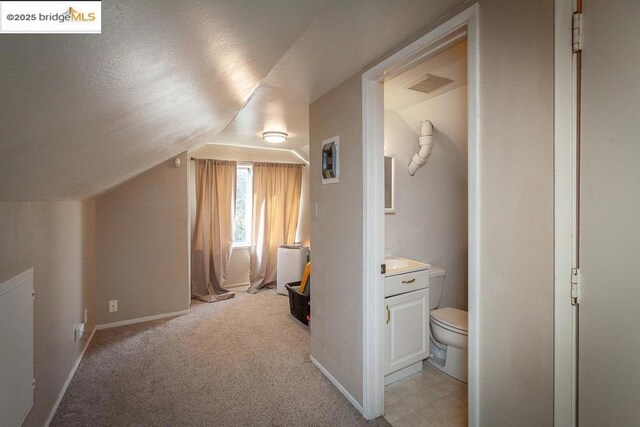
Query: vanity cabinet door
<point x="407" y="329"/>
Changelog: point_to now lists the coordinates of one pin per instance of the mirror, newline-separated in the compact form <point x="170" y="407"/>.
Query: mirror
<point x="389" y="184"/>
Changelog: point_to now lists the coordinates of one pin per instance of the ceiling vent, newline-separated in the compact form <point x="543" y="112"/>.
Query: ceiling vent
<point x="429" y="83"/>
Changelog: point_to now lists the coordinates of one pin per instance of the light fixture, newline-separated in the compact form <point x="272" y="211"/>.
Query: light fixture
<point x="275" y="137"/>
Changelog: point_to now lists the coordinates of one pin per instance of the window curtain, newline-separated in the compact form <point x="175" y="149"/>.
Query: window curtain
<point x="276" y="207"/>
<point x="213" y="233"/>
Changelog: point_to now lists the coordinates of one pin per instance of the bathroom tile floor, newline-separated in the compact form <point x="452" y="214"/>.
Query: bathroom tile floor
<point x="427" y="398"/>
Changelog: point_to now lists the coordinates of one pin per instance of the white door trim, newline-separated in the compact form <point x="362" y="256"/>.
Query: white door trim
<point x="565" y="214"/>
<point x="465" y="24"/>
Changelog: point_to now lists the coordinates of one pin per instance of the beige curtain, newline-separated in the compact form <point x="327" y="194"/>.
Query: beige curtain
<point x="213" y="233"/>
<point x="276" y="206"/>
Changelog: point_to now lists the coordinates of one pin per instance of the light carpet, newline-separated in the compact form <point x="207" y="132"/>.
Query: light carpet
<point x="240" y="362"/>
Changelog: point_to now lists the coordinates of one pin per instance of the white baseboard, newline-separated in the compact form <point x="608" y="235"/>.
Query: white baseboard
<point x="237" y="285"/>
<point x="403" y="373"/>
<point x="141" y="319"/>
<point x="69" y="378"/>
<point x="339" y="386"/>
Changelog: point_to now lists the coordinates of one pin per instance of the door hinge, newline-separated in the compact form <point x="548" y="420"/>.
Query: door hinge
<point x="33" y="294"/>
<point x="575" y="286"/>
<point x="383" y="268"/>
<point x="33" y="383"/>
<point x="576" y="32"/>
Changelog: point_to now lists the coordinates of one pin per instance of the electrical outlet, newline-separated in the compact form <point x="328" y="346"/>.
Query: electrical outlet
<point x="113" y="305"/>
<point x="79" y="331"/>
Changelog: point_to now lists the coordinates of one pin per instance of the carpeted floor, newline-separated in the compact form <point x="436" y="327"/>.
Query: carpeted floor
<point x="241" y="362"/>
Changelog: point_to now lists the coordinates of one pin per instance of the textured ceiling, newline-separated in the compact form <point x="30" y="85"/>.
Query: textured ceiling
<point x="82" y="113"/>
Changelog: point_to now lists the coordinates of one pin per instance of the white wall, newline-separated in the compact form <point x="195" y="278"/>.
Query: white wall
<point x="142" y="240"/>
<point x="336" y="331"/>
<point x="57" y="239"/>
<point x="238" y="270"/>
<point x="430" y="220"/>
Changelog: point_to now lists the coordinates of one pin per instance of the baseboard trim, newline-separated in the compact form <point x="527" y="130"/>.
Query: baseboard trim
<point x="69" y="378"/>
<point x="141" y="319"/>
<point x="339" y="386"/>
<point x="237" y="285"/>
<point x="403" y="373"/>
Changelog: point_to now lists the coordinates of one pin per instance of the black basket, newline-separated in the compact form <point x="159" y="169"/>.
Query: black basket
<point x="298" y="303"/>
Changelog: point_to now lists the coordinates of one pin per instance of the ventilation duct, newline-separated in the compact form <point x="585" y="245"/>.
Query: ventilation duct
<point x="426" y="144"/>
<point x="429" y="83"/>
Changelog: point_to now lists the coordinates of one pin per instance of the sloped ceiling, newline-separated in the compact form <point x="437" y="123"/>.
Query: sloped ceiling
<point x="450" y="64"/>
<point x="82" y="113"/>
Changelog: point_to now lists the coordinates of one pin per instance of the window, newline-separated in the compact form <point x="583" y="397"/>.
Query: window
<point x="242" y="223"/>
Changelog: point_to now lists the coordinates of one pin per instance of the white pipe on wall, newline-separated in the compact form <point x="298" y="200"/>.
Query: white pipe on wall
<point x="426" y="144"/>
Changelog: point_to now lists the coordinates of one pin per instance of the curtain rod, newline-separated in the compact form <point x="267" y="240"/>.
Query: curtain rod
<point x="249" y="161"/>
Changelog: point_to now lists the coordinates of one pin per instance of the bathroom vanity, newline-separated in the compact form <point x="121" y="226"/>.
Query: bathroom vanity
<point x="407" y="317"/>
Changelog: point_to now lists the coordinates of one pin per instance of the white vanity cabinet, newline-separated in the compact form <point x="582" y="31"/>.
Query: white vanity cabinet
<point x="406" y="330"/>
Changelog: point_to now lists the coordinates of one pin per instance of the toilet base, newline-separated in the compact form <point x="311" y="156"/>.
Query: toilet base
<point x="455" y="362"/>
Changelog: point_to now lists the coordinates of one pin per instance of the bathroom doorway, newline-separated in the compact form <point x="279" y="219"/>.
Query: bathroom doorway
<point x="426" y="220"/>
<point x="456" y="35"/>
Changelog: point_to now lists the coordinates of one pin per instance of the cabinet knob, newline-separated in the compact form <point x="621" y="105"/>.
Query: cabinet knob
<point x="388" y="315"/>
<point x="408" y="281"/>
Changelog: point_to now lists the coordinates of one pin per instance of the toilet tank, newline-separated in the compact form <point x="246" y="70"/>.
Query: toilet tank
<point x="436" y="285"/>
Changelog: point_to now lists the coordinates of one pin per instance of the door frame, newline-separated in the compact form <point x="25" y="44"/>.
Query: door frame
<point x="461" y="26"/>
<point x="565" y="215"/>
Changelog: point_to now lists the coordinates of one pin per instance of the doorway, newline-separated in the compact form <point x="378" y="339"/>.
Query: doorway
<point x="461" y="27"/>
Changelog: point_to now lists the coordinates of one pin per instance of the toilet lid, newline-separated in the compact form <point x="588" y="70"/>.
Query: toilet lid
<point x="451" y="318"/>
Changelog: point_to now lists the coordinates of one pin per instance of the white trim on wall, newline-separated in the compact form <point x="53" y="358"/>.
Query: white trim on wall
<point x="335" y="382"/>
<point x="565" y="211"/>
<point x="141" y="319"/>
<point x="373" y="244"/>
<point x="69" y="378"/>
<point x="237" y="285"/>
<point x="463" y="25"/>
<point x="290" y="150"/>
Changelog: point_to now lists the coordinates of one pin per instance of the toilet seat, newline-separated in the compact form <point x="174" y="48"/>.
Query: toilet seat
<point x="452" y="319"/>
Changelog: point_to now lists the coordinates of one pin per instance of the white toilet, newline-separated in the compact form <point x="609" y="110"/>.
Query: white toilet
<point x="449" y="331"/>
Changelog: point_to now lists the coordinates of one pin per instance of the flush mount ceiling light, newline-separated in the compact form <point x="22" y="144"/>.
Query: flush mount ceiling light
<point x="275" y="137"/>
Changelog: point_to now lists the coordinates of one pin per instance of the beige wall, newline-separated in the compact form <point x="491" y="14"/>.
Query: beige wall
<point x="57" y="240"/>
<point x="238" y="271"/>
<point x="430" y="222"/>
<point x="516" y="220"/>
<point x="143" y="246"/>
<point x="516" y="224"/>
<point x="336" y="332"/>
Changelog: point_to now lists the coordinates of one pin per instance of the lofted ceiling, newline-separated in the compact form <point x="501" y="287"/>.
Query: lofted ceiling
<point x="83" y="113"/>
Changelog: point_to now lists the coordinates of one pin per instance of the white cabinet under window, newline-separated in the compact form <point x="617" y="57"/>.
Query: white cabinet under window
<point x="407" y="329"/>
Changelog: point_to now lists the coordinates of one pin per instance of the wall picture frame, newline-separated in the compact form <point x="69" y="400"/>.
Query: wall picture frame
<point x="331" y="160"/>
